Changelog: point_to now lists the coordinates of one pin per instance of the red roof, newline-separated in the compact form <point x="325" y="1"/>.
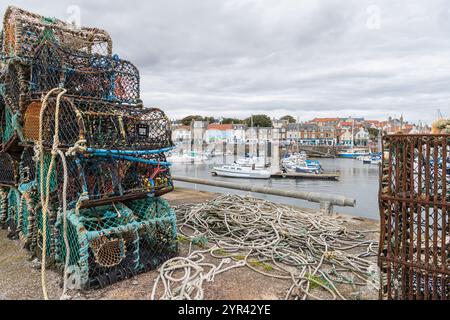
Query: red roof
<point x="346" y="124"/>
<point x="220" y="127"/>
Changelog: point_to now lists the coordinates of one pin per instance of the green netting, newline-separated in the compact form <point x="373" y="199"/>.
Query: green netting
<point x="13" y="209"/>
<point x="158" y="233"/>
<point x="8" y="129"/>
<point x="103" y="242"/>
<point x="53" y="180"/>
<point x="3" y="205"/>
<point x="112" y="243"/>
<point x="51" y="233"/>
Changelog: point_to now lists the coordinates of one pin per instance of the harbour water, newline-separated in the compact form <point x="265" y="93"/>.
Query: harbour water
<point x="357" y="181"/>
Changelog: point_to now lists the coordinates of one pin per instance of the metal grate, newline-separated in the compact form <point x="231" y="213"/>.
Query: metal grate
<point x="415" y="211"/>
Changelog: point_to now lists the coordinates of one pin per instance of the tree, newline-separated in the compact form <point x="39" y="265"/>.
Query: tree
<point x="373" y="133"/>
<point x="259" y="120"/>
<point x="231" y="121"/>
<point x="289" y="119"/>
<point x="209" y="119"/>
<point x="188" y="120"/>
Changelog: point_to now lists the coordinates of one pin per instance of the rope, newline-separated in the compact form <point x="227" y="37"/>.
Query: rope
<point x="188" y="286"/>
<point x="64" y="295"/>
<point x="317" y="253"/>
<point x="45" y="197"/>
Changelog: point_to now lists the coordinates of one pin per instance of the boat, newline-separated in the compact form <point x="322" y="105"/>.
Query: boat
<point x="366" y="159"/>
<point x="354" y="153"/>
<point x="237" y="171"/>
<point x="260" y="163"/>
<point x="309" y="167"/>
<point x="189" y="157"/>
<point x="300" y="164"/>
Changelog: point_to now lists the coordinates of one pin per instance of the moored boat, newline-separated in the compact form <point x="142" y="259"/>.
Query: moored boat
<point x="237" y="171"/>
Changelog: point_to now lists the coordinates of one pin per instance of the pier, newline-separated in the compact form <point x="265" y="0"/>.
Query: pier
<point x="309" y="176"/>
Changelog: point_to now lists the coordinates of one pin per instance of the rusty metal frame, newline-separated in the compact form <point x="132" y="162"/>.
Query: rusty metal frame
<point x="414" y="202"/>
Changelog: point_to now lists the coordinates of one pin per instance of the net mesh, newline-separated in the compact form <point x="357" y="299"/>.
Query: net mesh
<point x="8" y="167"/>
<point x="12" y="219"/>
<point x="16" y="86"/>
<point x="103" y="125"/>
<point x="27" y="168"/>
<point x="9" y="130"/>
<point x="24" y="32"/>
<point x="117" y="168"/>
<point x="100" y="178"/>
<point x="84" y="75"/>
<point x="112" y="243"/>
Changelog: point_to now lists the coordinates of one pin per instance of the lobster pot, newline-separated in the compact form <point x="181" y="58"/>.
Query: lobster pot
<point x="12" y="219"/>
<point x="84" y="75"/>
<point x="3" y="205"/>
<point x="27" y="169"/>
<point x="15" y="90"/>
<point x="25" y="31"/>
<point x="112" y="178"/>
<point x="2" y="116"/>
<point x="103" y="244"/>
<point x="27" y="215"/>
<point x="8" y="170"/>
<point x="36" y="236"/>
<point x="8" y="123"/>
<point x="158" y="237"/>
<point x="414" y="206"/>
<point x="100" y="125"/>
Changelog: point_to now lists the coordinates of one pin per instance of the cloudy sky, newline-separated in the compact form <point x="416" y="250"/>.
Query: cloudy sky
<point x="306" y="58"/>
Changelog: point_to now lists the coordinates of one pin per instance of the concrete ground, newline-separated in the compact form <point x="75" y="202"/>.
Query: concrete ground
<point x="20" y="278"/>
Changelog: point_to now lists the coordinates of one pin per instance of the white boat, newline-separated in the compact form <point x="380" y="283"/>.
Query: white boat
<point x="185" y="158"/>
<point x="236" y="171"/>
<point x="259" y="163"/>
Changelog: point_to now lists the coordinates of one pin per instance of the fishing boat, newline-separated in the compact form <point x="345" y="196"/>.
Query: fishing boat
<point x="300" y="164"/>
<point x="237" y="171"/>
<point x="354" y="153"/>
<point x="309" y="167"/>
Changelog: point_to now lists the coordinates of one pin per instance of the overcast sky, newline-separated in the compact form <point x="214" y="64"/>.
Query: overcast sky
<point x="306" y="58"/>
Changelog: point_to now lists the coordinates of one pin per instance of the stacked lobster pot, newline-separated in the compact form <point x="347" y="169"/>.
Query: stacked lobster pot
<point x="82" y="162"/>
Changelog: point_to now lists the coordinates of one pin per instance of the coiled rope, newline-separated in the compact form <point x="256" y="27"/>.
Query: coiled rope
<point x="317" y="253"/>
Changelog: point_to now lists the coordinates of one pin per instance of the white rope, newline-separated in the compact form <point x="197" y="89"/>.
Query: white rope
<point x="194" y="272"/>
<point x="313" y="251"/>
<point x="45" y="197"/>
<point x="64" y="295"/>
